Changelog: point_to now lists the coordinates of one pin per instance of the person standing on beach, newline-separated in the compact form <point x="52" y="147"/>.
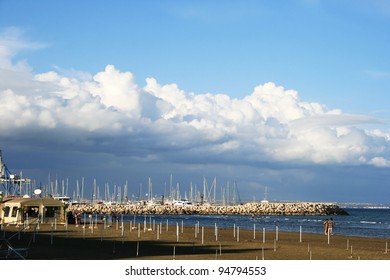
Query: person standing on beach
<point x="330" y="226"/>
<point x="326" y="226"/>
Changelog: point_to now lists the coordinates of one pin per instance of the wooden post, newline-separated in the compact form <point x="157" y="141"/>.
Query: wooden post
<point x="66" y="227"/>
<point x="96" y="221"/>
<point x="123" y="232"/>
<point x="263" y="235"/>
<point x="351" y="251"/>
<point x="274" y="245"/>
<point x="177" y="232"/>
<point x="300" y="234"/>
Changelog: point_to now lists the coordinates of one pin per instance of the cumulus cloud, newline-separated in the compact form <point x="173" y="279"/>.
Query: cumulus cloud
<point x="116" y="89"/>
<point x="109" y="110"/>
<point x="380" y="161"/>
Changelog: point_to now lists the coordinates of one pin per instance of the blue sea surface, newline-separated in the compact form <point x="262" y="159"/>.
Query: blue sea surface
<point x="359" y="222"/>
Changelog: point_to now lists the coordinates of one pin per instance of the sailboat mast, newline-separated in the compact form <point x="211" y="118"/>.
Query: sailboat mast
<point x="204" y="189"/>
<point x="215" y="189"/>
<point x="170" y="188"/>
<point x="150" y="190"/>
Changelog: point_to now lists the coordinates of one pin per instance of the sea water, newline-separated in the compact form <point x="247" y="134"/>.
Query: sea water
<point x="359" y="222"/>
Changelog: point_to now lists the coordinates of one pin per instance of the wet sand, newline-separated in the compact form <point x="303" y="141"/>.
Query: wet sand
<point x="98" y="242"/>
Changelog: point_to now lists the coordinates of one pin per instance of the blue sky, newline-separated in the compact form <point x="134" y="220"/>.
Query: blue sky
<point x="292" y="95"/>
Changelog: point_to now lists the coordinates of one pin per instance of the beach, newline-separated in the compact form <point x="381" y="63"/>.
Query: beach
<point x="98" y="241"/>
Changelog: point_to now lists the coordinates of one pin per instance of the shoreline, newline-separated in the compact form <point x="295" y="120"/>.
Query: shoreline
<point x="95" y="241"/>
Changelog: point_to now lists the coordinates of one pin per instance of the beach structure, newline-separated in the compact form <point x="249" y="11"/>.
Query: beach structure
<point x="18" y="210"/>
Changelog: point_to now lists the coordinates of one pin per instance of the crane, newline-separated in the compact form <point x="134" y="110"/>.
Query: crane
<point x="11" y="183"/>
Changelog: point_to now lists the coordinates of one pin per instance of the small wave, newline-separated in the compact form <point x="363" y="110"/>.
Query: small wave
<point x="367" y="222"/>
<point x="376" y="207"/>
<point x="310" y="220"/>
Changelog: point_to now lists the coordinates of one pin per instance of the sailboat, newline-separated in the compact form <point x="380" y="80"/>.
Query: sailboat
<point x="265" y="196"/>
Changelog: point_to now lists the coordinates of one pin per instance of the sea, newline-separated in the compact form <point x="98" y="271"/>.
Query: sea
<point x="362" y="222"/>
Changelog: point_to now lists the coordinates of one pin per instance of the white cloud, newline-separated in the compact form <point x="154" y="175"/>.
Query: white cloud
<point x="17" y="112"/>
<point x="380" y="162"/>
<point x="116" y="89"/>
<point x="156" y="121"/>
<point x="45" y="119"/>
<point x="273" y="101"/>
<point x="12" y="42"/>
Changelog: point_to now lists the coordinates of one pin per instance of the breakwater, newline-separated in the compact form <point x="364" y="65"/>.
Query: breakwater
<point x="291" y="208"/>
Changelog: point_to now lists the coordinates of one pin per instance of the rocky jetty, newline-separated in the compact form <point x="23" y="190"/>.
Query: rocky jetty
<point x="291" y="208"/>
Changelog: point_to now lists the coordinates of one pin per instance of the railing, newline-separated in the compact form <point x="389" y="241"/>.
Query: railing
<point x="7" y="251"/>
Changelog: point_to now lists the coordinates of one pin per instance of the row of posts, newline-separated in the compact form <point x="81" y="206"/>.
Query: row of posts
<point x="152" y="227"/>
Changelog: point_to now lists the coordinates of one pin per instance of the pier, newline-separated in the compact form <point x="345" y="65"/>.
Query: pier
<point x="277" y="208"/>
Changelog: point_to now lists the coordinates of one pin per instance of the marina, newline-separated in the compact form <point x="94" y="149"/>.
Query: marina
<point x="28" y="213"/>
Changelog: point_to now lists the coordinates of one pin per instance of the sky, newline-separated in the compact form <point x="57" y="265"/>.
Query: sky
<point x="288" y="96"/>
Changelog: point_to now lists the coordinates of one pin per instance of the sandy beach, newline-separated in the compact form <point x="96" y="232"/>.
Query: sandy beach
<point x="100" y="242"/>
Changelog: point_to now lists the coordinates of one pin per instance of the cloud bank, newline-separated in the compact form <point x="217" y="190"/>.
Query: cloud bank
<point x="109" y="112"/>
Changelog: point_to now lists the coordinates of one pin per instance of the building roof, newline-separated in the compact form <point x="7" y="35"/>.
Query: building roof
<point x="33" y="201"/>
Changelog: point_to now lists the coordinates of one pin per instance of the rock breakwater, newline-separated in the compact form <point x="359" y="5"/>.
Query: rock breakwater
<point x="291" y="208"/>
